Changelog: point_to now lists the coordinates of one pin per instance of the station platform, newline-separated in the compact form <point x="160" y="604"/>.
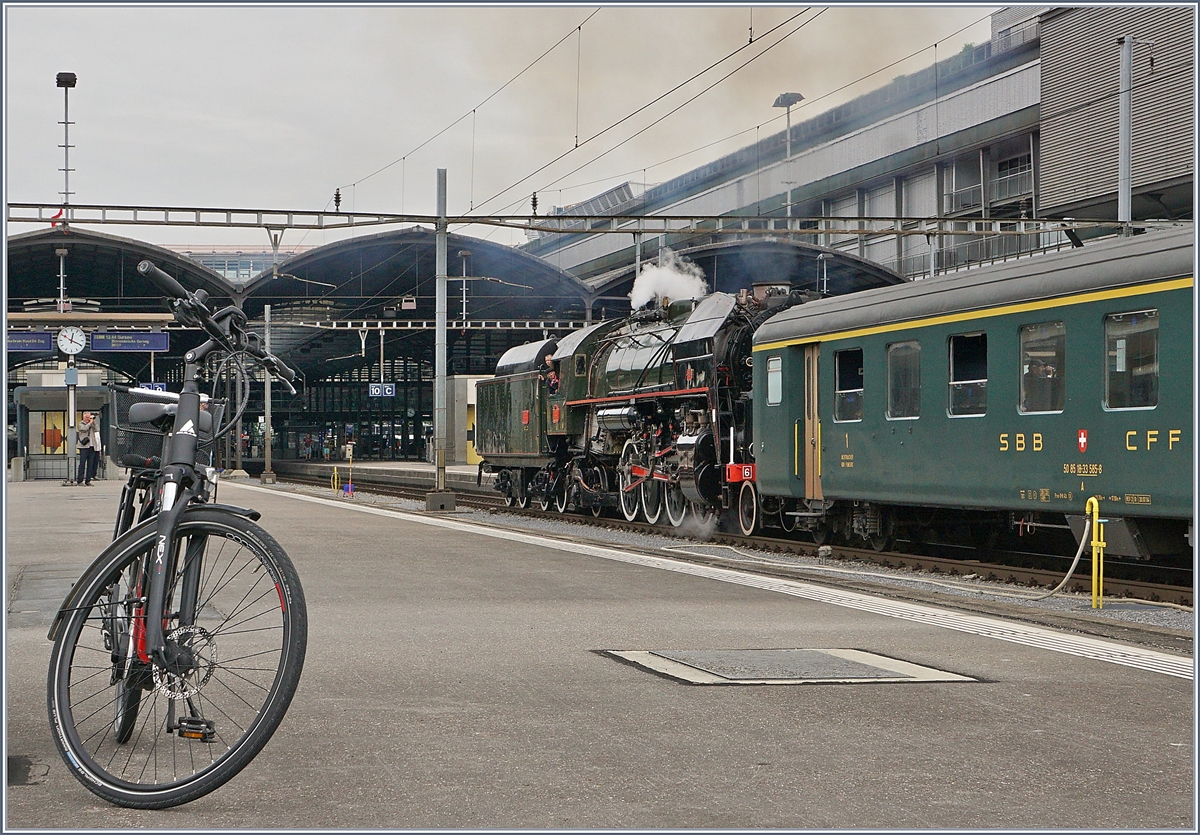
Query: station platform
<point x="463" y="673"/>
<point x="461" y="478"/>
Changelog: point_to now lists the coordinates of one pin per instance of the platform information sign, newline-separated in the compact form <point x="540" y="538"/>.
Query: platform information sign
<point x="381" y="390"/>
<point x="127" y="341"/>
<point x="30" y="341"/>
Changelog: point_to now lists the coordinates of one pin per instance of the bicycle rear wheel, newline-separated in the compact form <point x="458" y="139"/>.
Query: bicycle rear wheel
<point x="144" y="736"/>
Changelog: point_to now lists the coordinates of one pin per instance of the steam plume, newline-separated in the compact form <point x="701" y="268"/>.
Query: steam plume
<point x="674" y="278"/>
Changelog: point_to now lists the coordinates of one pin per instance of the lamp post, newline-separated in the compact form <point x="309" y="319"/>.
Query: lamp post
<point x="66" y="80"/>
<point x="786" y="100"/>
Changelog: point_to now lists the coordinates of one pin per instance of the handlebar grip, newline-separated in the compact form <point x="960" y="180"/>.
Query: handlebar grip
<point x="283" y="371"/>
<point x="169" y="285"/>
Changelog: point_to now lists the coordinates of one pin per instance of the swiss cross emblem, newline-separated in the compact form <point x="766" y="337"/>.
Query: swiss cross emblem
<point x="1083" y="440"/>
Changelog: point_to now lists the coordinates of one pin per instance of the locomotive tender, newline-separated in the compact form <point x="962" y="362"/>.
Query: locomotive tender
<point x="993" y="400"/>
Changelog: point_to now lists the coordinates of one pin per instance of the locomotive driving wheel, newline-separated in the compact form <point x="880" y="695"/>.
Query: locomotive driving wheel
<point x="676" y="505"/>
<point x="596" y="479"/>
<point x="652" y="499"/>
<point x="703" y="512"/>
<point x="562" y="492"/>
<point x="625" y="481"/>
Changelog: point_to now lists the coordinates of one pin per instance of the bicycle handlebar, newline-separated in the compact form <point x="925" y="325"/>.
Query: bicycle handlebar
<point x="165" y="283"/>
<point x="223" y="328"/>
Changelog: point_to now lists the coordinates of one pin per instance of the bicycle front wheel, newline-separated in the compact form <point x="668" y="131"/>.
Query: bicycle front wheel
<point x="146" y="736"/>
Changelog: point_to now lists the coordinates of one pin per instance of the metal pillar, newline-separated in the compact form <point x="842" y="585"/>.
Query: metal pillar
<point x="72" y="378"/>
<point x="440" y="499"/>
<point x="268" y="477"/>
<point x="1125" y="137"/>
<point x="66" y="80"/>
<point x="62" y="279"/>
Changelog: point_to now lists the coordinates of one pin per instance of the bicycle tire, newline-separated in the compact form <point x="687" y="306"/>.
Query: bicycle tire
<point x="246" y="651"/>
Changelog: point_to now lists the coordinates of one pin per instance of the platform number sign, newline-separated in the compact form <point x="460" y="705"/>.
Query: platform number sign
<point x="382" y="390"/>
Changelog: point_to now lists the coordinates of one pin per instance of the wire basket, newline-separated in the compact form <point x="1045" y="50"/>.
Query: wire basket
<point x="145" y="441"/>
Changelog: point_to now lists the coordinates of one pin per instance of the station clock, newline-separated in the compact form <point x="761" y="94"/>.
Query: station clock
<point x="72" y="340"/>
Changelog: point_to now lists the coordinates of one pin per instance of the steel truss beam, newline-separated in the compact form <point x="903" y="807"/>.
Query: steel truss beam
<point x="425" y="325"/>
<point x="750" y="225"/>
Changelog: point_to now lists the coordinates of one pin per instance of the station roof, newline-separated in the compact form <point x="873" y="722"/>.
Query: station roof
<point x="390" y="276"/>
<point x="368" y="278"/>
<point x="101" y="267"/>
<point x="730" y="265"/>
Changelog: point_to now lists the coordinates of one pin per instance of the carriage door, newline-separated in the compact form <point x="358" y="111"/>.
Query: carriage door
<point x="812" y="426"/>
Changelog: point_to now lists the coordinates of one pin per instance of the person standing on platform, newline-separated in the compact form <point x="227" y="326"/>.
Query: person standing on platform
<point x="87" y="445"/>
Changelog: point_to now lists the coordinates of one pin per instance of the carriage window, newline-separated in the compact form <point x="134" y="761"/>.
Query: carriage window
<point x="904" y="380"/>
<point x="1043" y="367"/>
<point x="968" y="374"/>
<point x="848" y="385"/>
<point x="1131" y="378"/>
<point x="774" y="381"/>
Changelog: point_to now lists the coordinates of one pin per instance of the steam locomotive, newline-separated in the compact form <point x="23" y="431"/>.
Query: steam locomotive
<point x="907" y="411"/>
<point x="649" y="415"/>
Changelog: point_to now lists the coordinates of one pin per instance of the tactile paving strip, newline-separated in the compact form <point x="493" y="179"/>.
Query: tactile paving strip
<point x="782" y="666"/>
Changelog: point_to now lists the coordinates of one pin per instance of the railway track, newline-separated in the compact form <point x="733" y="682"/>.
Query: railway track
<point x="968" y="566"/>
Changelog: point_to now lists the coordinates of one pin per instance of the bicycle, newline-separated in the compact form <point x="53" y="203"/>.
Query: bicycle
<point x="178" y="651"/>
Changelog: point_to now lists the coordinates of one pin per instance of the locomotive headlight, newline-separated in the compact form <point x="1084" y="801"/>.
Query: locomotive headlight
<point x="749" y="361"/>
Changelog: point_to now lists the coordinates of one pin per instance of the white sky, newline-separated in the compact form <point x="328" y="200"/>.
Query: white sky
<point x="273" y="107"/>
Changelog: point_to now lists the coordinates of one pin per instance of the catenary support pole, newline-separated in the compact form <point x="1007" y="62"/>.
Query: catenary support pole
<point x="268" y="477"/>
<point x="440" y="499"/>
<point x="439" y="397"/>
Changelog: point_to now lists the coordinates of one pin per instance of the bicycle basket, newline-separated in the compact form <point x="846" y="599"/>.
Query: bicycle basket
<point x="145" y="441"/>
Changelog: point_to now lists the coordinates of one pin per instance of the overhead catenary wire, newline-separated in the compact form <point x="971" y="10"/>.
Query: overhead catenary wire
<point x="806" y="103"/>
<point x="651" y="103"/>
<point x="491" y="96"/>
<point x="690" y="100"/>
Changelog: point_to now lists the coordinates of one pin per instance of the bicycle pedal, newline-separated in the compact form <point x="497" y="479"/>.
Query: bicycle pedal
<point x="191" y="727"/>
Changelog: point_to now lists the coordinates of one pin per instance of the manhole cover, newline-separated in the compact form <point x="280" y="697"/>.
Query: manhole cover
<point x="781" y="666"/>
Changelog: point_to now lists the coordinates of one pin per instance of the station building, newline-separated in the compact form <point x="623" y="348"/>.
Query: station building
<point x="1024" y="125"/>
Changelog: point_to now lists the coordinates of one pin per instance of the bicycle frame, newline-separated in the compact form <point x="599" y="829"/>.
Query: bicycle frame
<point x="178" y="485"/>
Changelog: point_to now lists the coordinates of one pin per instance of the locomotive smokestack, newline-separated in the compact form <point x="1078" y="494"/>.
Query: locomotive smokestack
<point x="674" y="279"/>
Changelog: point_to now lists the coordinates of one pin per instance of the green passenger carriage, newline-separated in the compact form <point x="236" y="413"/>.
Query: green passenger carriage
<point x="1004" y="396"/>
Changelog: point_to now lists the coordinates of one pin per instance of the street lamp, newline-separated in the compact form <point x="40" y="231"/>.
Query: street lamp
<point x="786" y="100"/>
<point x="66" y="80"/>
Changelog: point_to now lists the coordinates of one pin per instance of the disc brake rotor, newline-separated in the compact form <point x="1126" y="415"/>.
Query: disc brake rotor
<point x="187" y="683"/>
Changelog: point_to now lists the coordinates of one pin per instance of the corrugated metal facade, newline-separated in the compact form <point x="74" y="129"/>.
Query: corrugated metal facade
<point x="1079" y="109"/>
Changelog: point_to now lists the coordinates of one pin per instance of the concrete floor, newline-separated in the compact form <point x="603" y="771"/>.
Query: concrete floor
<point x="455" y="680"/>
